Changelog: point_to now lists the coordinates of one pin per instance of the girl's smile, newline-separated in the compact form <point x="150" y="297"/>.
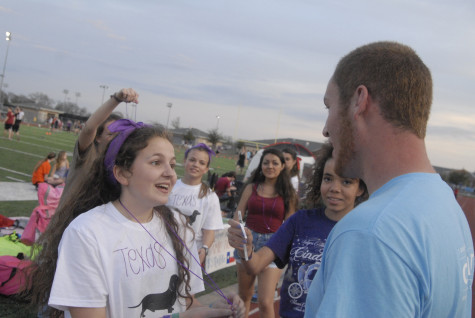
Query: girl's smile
<point x="152" y="175"/>
<point x="338" y="194"/>
<point x="271" y="166"/>
<point x="196" y="165"/>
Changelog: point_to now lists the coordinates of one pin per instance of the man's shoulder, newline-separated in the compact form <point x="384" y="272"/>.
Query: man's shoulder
<point x="411" y="204"/>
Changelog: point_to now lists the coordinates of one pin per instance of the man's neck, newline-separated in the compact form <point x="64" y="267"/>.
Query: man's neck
<point x="392" y="156"/>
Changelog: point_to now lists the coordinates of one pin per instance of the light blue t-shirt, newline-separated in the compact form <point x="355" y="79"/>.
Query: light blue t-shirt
<point x="406" y="252"/>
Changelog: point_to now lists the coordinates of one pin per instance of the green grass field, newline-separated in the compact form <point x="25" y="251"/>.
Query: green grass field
<point x="17" y="160"/>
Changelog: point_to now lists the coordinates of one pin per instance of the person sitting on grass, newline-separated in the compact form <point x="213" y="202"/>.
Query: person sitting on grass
<point x="42" y="169"/>
<point x="60" y="169"/>
<point x="224" y="186"/>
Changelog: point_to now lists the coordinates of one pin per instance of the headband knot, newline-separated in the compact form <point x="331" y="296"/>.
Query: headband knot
<point x="124" y="127"/>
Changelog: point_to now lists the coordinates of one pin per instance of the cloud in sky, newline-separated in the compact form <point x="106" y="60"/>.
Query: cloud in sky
<point x="262" y="66"/>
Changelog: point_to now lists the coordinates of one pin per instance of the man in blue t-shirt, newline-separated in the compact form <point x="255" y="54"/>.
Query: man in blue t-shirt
<point x="407" y="251"/>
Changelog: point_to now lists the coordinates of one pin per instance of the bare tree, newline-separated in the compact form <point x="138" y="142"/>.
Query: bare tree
<point x="41" y="99"/>
<point x="67" y="107"/>
<point x="214" y="137"/>
<point x="460" y="177"/>
<point x="239" y="144"/>
<point x="189" y="137"/>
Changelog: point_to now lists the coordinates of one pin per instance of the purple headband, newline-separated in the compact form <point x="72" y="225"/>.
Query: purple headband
<point x="124" y="127"/>
<point x="204" y="147"/>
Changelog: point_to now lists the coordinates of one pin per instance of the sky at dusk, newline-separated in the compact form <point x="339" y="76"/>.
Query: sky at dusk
<point x="261" y="66"/>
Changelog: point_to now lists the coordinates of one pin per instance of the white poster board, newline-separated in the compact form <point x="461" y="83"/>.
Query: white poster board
<point x="221" y="254"/>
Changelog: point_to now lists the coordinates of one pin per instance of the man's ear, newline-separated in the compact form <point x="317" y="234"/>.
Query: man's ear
<point x="361" y="101"/>
<point x="121" y="175"/>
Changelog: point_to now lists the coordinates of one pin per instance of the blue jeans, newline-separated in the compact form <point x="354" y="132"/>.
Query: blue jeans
<point x="258" y="240"/>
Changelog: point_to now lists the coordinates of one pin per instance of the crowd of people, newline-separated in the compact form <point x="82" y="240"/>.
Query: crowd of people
<point x="382" y="234"/>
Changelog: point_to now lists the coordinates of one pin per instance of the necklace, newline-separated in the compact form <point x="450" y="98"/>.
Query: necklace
<point x="213" y="285"/>
<point x="263" y="214"/>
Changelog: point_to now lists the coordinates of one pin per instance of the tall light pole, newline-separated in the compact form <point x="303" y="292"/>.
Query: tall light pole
<point x="169" y="105"/>
<point x="134" y="106"/>
<point x="77" y="97"/>
<point x="104" y="87"/>
<point x="217" y="123"/>
<point x="66" y="92"/>
<point x="8" y="36"/>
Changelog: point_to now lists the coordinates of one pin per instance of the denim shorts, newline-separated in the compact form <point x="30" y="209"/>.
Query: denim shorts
<point x="258" y="240"/>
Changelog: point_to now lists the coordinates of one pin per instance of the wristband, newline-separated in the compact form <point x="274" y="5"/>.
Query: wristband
<point x="205" y="247"/>
<point x="119" y="101"/>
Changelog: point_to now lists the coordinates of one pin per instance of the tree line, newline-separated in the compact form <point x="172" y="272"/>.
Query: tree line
<point x="44" y="101"/>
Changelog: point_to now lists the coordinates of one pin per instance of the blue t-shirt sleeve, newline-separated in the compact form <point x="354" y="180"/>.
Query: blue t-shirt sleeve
<point x="281" y="242"/>
<point x="362" y="277"/>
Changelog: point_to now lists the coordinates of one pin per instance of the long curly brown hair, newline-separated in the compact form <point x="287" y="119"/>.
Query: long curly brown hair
<point x="97" y="190"/>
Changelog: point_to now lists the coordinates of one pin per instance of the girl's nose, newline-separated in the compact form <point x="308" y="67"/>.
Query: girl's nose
<point x="335" y="187"/>
<point x="169" y="171"/>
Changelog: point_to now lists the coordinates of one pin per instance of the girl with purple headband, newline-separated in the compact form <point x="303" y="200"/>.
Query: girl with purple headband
<point x="194" y="199"/>
<point x="122" y="252"/>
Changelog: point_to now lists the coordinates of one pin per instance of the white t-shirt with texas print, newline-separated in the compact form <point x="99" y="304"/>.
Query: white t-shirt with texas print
<point x="203" y="213"/>
<point x="106" y="260"/>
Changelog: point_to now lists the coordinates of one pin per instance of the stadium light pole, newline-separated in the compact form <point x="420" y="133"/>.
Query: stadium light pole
<point x="169" y="105"/>
<point x="104" y="87"/>
<point x="77" y="97"/>
<point x="8" y="36"/>
<point x="65" y="92"/>
<point x="217" y="123"/>
<point x="134" y="106"/>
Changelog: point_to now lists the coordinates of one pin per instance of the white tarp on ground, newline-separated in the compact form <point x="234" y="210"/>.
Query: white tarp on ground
<point x="17" y="191"/>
